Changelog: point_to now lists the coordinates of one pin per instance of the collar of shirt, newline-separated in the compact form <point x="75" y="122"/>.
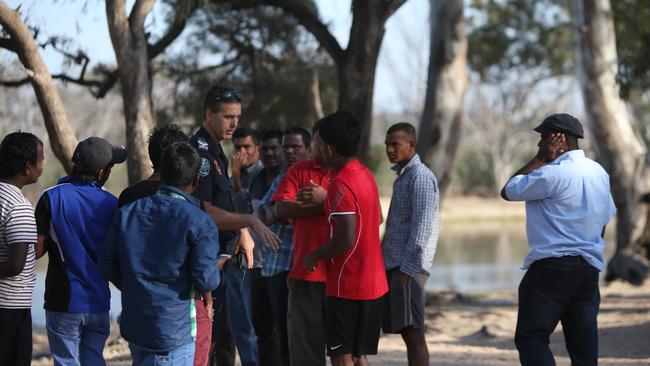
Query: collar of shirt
<point x="401" y="169"/>
<point x="572" y="154"/>
<point x="171" y="189"/>
<point x="350" y="165"/>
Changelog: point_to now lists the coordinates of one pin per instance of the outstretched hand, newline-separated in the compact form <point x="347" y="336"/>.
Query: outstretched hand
<point x="552" y="147"/>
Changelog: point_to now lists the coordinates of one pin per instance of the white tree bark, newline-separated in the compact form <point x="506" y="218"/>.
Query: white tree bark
<point x="62" y="138"/>
<point x="439" y="132"/>
<point x="619" y="150"/>
<point x="130" y="45"/>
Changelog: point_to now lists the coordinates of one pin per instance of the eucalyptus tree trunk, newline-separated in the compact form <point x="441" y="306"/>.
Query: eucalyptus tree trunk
<point x="441" y="120"/>
<point x="619" y="150"/>
<point x="130" y="45"/>
<point x="62" y="138"/>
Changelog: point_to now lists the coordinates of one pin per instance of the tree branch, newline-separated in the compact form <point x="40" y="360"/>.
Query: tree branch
<point x="303" y="14"/>
<point x="139" y="13"/>
<point x="174" y="30"/>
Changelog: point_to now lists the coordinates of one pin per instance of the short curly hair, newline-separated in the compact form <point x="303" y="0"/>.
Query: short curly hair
<point x="340" y="130"/>
<point x="16" y="150"/>
<point x="160" y="138"/>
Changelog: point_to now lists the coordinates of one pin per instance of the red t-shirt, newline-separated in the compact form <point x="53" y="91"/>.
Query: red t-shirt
<point x="310" y="232"/>
<point x="359" y="273"/>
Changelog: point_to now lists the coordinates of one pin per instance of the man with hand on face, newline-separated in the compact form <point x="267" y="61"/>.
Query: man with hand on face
<point x="409" y="242"/>
<point x="246" y="157"/>
<point x="221" y="112"/>
<point x="568" y="204"/>
<point x="356" y="277"/>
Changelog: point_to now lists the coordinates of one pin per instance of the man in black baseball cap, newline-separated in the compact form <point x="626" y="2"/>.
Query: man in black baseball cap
<point x="94" y="157"/>
<point x="562" y="123"/>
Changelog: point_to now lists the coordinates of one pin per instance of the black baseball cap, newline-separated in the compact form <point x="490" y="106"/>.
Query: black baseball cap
<point x="563" y="123"/>
<point x="94" y="153"/>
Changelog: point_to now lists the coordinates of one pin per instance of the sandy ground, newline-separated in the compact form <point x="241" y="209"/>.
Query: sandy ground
<point x="477" y="329"/>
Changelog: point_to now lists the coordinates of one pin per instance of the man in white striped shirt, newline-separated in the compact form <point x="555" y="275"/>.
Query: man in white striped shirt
<point x="21" y="163"/>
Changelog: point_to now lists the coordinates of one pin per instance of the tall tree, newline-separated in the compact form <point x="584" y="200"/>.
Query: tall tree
<point x="619" y="150"/>
<point x="21" y="41"/>
<point x="440" y="124"/>
<point x="130" y="45"/>
<point x="356" y="63"/>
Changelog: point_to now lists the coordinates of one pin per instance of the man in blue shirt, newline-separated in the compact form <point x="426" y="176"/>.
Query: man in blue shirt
<point x="72" y="218"/>
<point x="158" y="251"/>
<point x="568" y="205"/>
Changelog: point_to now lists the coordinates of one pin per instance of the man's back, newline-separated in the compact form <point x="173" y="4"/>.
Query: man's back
<point x="568" y="203"/>
<point x="156" y="243"/>
<point x="74" y="218"/>
<point x="359" y="273"/>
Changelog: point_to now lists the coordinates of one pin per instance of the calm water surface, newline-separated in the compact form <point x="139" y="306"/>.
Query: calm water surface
<point x="479" y="256"/>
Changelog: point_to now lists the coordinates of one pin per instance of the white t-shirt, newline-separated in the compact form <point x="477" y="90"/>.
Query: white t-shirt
<point x="17" y="225"/>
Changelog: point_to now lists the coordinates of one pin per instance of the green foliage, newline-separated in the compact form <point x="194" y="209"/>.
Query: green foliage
<point x="519" y="35"/>
<point x="633" y="44"/>
<point x="262" y="52"/>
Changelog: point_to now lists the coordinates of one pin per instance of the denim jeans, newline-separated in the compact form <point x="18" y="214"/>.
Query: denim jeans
<point x="77" y="338"/>
<point x="181" y="356"/>
<point x="558" y="290"/>
<point x="240" y="314"/>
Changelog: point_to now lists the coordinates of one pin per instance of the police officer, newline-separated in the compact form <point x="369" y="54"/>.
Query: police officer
<point x="221" y="112"/>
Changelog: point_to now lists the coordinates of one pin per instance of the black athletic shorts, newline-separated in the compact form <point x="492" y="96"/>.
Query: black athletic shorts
<point x="353" y="326"/>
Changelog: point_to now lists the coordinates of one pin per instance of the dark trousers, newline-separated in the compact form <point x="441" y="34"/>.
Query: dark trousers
<point x="16" y="337"/>
<point x="558" y="290"/>
<point x="268" y="340"/>
<point x="279" y="298"/>
<point x="223" y="353"/>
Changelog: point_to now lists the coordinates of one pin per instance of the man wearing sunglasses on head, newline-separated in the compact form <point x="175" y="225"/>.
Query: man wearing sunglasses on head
<point x="221" y="113"/>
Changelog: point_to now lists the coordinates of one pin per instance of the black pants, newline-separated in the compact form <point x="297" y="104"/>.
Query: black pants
<point x="558" y="290"/>
<point x="16" y="337"/>
<point x="268" y="339"/>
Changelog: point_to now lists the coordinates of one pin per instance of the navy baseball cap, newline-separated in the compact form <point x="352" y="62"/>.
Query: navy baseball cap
<point x="562" y="123"/>
<point x="94" y="153"/>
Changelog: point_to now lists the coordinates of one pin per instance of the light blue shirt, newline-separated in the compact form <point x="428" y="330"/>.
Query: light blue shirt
<point x="568" y="202"/>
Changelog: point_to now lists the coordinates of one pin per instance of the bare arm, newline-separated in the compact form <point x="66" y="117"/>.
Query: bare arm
<point x="295" y="210"/>
<point x="342" y="240"/>
<point x="16" y="256"/>
<point x="226" y="220"/>
<point x="40" y="248"/>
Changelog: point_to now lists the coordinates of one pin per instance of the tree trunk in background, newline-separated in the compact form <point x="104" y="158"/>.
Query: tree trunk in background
<point x="619" y="150"/>
<point x="315" y="105"/>
<point x="130" y="45"/>
<point x="440" y="125"/>
<point x="62" y="138"/>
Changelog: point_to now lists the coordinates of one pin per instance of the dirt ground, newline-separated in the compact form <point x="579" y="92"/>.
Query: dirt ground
<point x="477" y="329"/>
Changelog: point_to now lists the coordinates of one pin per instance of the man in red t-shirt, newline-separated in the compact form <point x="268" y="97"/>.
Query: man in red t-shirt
<point x="300" y="197"/>
<point x="356" y="279"/>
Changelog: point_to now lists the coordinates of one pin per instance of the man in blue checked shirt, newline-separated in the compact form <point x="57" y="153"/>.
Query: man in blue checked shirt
<point x="409" y="242"/>
<point x="568" y="204"/>
<point x="296" y="146"/>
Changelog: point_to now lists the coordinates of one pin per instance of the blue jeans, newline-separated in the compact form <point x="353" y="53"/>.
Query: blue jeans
<point x="77" y="338"/>
<point x="181" y="356"/>
<point x="558" y="290"/>
<point x="240" y="314"/>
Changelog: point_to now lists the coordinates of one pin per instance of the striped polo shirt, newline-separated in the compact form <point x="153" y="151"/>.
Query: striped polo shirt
<point x="17" y="225"/>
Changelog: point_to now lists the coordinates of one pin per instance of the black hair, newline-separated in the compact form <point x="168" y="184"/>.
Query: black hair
<point x="242" y="132"/>
<point x="160" y="138"/>
<point x="179" y="164"/>
<point x="341" y="130"/>
<point x="296" y="130"/>
<point x="16" y="150"/>
<point x="220" y="94"/>
<point x="405" y="127"/>
<point x="317" y="126"/>
<point x="271" y="133"/>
